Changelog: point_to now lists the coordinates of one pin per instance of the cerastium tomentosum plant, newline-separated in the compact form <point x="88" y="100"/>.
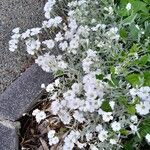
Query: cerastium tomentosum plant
<point x="92" y="94"/>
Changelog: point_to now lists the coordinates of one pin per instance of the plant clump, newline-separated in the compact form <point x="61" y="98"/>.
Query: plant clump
<point x="101" y="92"/>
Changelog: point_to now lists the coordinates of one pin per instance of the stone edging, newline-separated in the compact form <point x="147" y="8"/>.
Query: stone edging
<point x="16" y="100"/>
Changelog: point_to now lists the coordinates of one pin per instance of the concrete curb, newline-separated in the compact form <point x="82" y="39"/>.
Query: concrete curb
<point x="17" y="99"/>
<point x="8" y="136"/>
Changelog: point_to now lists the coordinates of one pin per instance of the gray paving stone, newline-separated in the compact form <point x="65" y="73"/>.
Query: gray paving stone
<point x="8" y="136"/>
<point x="23" y="92"/>
<point x="16" y="13"/>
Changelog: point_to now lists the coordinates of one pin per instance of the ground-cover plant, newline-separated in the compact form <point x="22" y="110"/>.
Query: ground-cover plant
<point x="101" y="92"/>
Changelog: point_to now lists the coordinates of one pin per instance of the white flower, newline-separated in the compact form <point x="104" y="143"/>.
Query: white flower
<point x="113" y="141"/>
<point x="16" y="30"/>
<point x="55" y="107"/>
<point x="74" y="43"/>
<point x="116" y="126"/>
<point x="144" y="93"/>
<point x="143" y="108"/>
<point x="133" y="128"/>
<point x="39" y="115"/>
<point x="35" y="112"/>
<point x="63" y="45"/>
<point x="91" y="53"/>
<point x="113" y="33"/>
<point x="86" y="63"/>
<point x="79" y="116"/>
<point x="76" y="87"/>
<point x="89" y="136"/>
<point x="57" y="82"/>
<point x="51" y="133"/>
<point x="32" y="45"/>
<point x="49" y="43"/>
<point x="52" y="138"/>
<point x="93" y="147"/>
<point x="43" y="86"/>
<point x="35" y="31"/>
<point x="90" y="105"/>
<point x="128" y="6"/>
<point x="62" y="64"/>
<point x="134" y="119"/>
<point x="81" y="145"/>
<point x="103" y="135"/>
<point x="13" y="45"/>
<point x="16" y="36"/>
<point x="58" y="37"/>
<point x="48" y="7"/>
<point x="99" y="128"/>
<point x="109" y="9"/>
<point x="64" y="116"/>
<point x="68" y="146"/>
<point x="112" y="104"/>
<point x="47" y="62"/>
<point x="74" y="103"/>
<point x="57" y="21"/>
<point x="72" y="24"/>
<point x="91" y="94"/>
<point x="133" y="92"/>
<point x="50" y="88"/>
<point x="26" y="34"/>
<point x="47" y="15"/>
<point x="72" y="138"/>
<point x="54" y="96"/>
<point x="69" y="95"/>
<point x="147" y="138"/>
<point x="107" y="116"/>
<point x="100" y="112"/>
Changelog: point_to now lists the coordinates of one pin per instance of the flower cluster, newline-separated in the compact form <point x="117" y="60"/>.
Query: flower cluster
<point x="13" y="43"/>
<point x="52" y="138"/>
<point x="39" y="115"/>
<point x="91" y="95"/>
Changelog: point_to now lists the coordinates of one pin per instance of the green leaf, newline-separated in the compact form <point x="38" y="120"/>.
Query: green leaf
<point x="134" y="32"/>
<point x="99" y="76"/>
<point x="112" y="70"/>
<point x="59" y="73"/>
<point x="139" y="6"/>
<point x="114" y="80"/>
<point x="147" y="31"/>
<point x="144" y="127"/>
<point x="133" y="79"/>
<point x="131" y="110"/>
<point x="129" y="145"/>
<point x="124" y="132"/>
<point x="129" y="20"/>
<point x="146" y="78"/>
<point x="123" y="33"/>
<point x="105" y="106"/>
<point x="134" y="48"/>
<point x="142" y="60"/>
<point x="123" y="101"/>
